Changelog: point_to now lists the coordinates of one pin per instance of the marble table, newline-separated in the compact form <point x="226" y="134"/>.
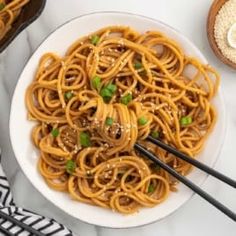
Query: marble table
<point x="196" y="217"/>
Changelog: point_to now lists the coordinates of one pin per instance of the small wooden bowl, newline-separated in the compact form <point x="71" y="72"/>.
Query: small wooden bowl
<point x="215" y="7"/>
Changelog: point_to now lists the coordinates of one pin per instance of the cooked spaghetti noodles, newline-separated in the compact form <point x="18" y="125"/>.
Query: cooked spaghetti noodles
<point x="9" y="11"/>
<point x="113" y="88"/>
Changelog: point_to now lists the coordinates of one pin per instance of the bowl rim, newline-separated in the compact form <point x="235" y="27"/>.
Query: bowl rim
<point x="223" y="112"/>
<point x="22" y="26"/>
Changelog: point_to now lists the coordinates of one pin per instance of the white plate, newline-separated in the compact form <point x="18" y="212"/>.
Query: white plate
<point x="27" y="155"/>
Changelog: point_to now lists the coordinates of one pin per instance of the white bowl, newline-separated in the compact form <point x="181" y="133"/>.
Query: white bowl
<point x="27" y="155"/>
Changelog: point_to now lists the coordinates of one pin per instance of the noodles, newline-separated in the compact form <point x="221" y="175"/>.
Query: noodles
<point x="113" y="88"/>
<point x="9" y="11"/>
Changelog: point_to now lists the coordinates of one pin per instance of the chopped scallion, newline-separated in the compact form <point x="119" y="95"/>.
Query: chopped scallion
<point x="107" y="92"/>
<point x="186" y="120"/>
<point x="142" y="120"/>
<point x="85" y="139"/>
<point x="68" y="95"/>
<point x="138" y="65"/>
<point x="151" y="188"/>
<point x="70" y="166"/>
<point x="155" y="134"/>
<point x="109" y="121"/>
<point x="126" y="99"/>
<point x="95" y="39"/>
<point x="96" y="82"/>
<point x="111" y="87"/>
<point x="55" y="132"/>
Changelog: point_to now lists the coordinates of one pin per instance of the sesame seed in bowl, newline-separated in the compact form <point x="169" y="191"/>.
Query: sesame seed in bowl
<point x="221" y="30"/>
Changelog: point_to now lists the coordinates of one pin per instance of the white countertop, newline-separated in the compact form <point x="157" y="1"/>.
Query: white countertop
<point x="196" y="217"/>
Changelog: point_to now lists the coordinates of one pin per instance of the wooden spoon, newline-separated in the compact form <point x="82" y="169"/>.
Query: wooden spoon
<point x="215" y="7"/>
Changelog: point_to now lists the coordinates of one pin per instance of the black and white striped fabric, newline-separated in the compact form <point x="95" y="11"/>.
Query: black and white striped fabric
<point x="46" y="226"/>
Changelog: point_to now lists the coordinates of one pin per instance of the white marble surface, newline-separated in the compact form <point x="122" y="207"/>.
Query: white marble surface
<point x="196" y="217"/>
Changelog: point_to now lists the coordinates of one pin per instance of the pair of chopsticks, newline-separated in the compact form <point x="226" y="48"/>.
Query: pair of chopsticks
<point x="17" y="223"/>
<point x="183" y="179"/>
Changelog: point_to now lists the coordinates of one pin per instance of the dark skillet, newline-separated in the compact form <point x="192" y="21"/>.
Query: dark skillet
<point x="29" y="13"/>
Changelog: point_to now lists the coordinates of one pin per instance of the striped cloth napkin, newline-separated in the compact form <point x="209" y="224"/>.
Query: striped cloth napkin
<point x="45" y="225"/>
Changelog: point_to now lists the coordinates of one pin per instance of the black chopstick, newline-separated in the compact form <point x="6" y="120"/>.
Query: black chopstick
<point x="193" y="161"/>
<point x="20" y="224"/>
<point x="187" y="182"/>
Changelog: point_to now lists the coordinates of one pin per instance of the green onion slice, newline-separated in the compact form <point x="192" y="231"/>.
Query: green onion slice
<point x="68" y="95"/>
<point x="95" y="39"/>
<point x="126" y="99"/>
<point x="70" y="166"/>
<point x="186" y="120"/>
<point x="138" y="65"/>
<point x="109" y="121"/>
<point x="108" y="91"/>
<point x="155" y="134"/>
<point x="96" y="82"/>
<point x="151" y="188"/>
<point x="55" y="132"/>
<point x="106" y="94"/>
<point x="142" y="120"/>
<point x="111" y="87"/>
<point x="85" y="139"/>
